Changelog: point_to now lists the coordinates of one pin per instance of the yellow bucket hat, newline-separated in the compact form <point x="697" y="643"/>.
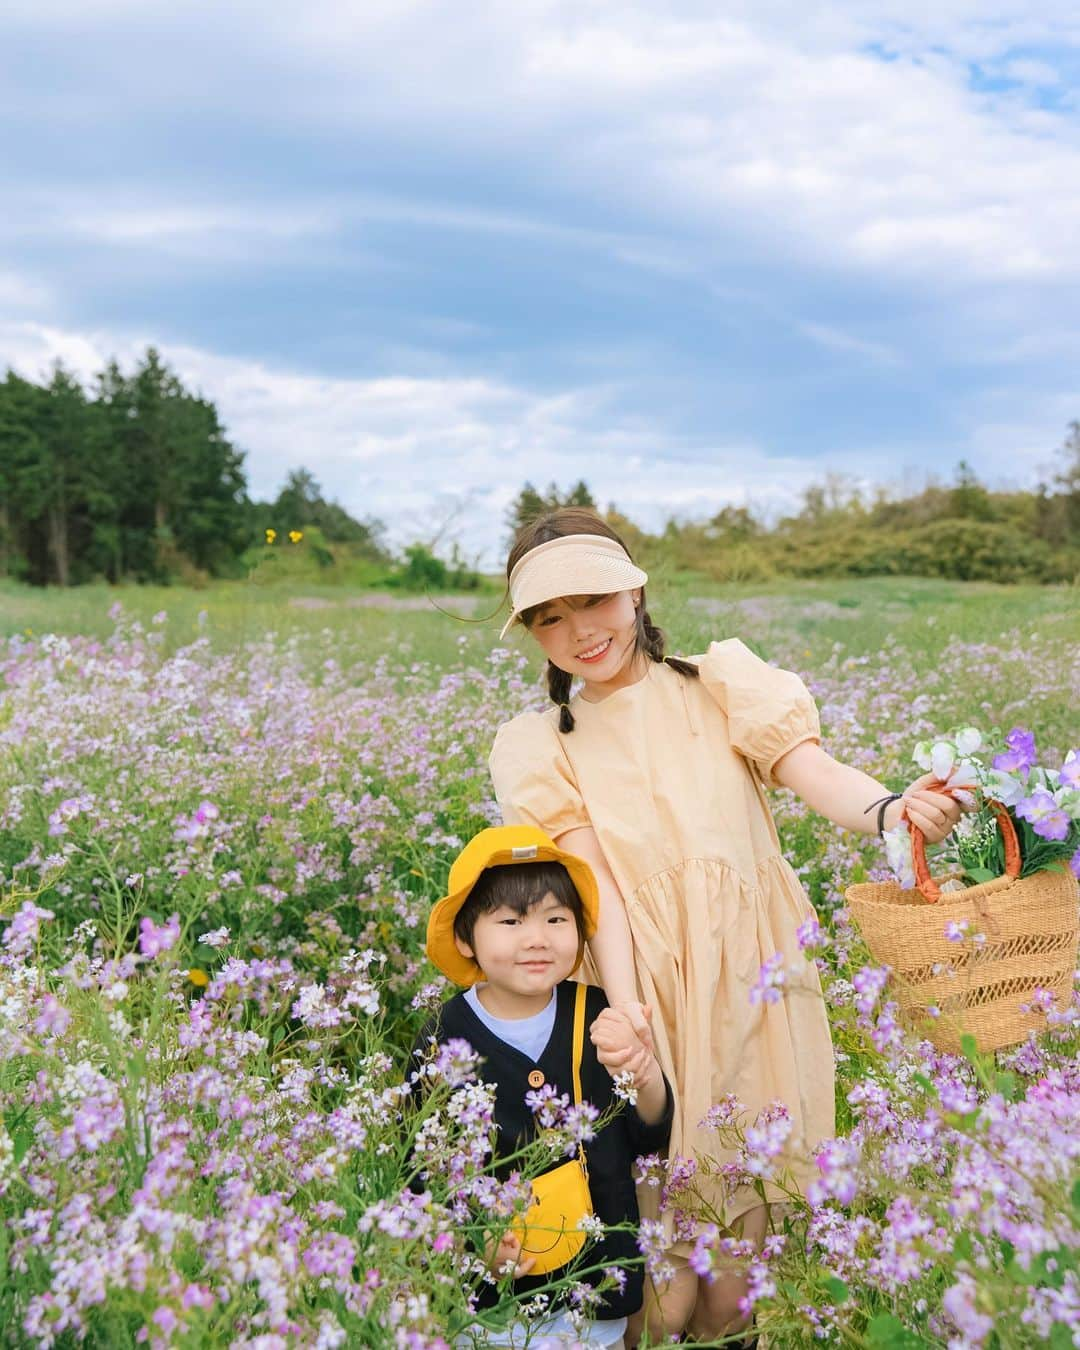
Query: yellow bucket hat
<point x="499" y="846"/>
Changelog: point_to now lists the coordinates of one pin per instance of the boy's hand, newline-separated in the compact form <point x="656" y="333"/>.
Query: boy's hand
<point x="619" y="1047"/>
<point x="504" y="1256"/>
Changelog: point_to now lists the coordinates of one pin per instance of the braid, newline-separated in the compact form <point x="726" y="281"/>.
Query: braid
<point x="652" y="638"/>
<point x="651" y="641"/>
<point x="559" y="683"/>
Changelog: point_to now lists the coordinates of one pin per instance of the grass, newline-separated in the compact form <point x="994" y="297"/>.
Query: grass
<point x="794" y="620"/>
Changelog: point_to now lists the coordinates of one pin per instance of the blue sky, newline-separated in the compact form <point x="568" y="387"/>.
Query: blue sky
<point x="694" y="254"/>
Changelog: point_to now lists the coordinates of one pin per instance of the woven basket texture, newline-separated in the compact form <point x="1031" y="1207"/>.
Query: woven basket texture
<point x="1031" y="929"/>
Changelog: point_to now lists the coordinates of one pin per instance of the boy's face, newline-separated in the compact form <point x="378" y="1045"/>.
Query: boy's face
<point x="524" y="956"/>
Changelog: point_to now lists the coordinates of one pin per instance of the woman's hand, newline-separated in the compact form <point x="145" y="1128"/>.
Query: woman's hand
<point x="932" y="811"/>
<point x="639" y="1017"/>
<point x="844" y="794"/>
<point x="504" y="1256"/>
<point x="620" y="1048"/>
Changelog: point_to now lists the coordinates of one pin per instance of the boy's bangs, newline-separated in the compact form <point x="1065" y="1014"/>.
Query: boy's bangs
<point x="518" y="887"/>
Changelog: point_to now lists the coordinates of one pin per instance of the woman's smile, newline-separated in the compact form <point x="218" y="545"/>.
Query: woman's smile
<point x="595" y="653"/>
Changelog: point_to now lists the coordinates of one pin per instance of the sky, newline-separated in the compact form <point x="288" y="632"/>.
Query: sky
<point x="694" y="253"/>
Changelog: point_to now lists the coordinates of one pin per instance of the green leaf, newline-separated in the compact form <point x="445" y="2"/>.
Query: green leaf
<point x="921" y="1080"/>
<point x="1061" y="1337"/>
<point x="837" y="1290"/>
<point x="21" y="1140"/>
<point x="980" y="874"/>
<point x="962" y="1248"/>
<point x="887" y="1332"/>
<point x="1005" y="1085"/>
<point x="969" y="1047"/>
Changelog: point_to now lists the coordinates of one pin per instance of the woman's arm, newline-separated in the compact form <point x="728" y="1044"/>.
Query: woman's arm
<point x="842" y="794"/>
<point x="612" y="946"/>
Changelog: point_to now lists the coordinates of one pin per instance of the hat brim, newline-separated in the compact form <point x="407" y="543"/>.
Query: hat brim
<point x="574" y="568"/>
<point x="463" y="970"/>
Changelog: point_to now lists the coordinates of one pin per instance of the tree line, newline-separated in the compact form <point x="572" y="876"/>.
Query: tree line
<point x="136" y="479"/>
<point x="961" y="530"/>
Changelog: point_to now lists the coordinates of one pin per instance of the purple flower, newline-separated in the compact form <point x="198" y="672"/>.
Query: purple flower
<point x="53" y="1018"/>
<point x="69" y="809"/>
<point x="166" y="1319"/>
<point x="771" y="980"/>
<point x="1019" y="755"/>
<point x="1074" y="864"/>
<point x="958" y="1303"/>
<point x="868" y="983"/>
<point x="1047" y="819"/>
<point x="22" y="931"/>
<point x="1070" y="771"/>
<point x="811" y="936"/>
<point x="154" y="940"/>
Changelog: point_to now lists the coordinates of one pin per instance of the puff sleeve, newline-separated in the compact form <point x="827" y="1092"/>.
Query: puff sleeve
<point x="534" y="783"/>
<point x="769" y="711"/>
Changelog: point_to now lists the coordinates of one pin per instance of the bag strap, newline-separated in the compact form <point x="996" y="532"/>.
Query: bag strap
<point x="579" y="1046"/>
<point x="579" y="1039"/>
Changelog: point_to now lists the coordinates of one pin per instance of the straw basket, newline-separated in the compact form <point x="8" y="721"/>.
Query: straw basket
<point x="1030" y="926"/>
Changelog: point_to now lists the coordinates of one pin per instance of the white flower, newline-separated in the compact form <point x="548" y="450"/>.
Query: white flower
<point x="218" y="938"/>
<point x="898" y="853"/>
<point x="623" y="1087"/>
<point x="968" y="740"/>
<point x="942" y="759"/>
<point x="1003" y="787"/>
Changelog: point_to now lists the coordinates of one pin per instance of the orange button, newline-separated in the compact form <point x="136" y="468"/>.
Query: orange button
<point x="536" y="1078"/>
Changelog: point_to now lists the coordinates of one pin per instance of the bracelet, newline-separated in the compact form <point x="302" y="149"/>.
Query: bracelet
<point x="882" y="804"/>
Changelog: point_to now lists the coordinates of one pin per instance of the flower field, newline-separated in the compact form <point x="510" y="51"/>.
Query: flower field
<point x="217" y="853"/>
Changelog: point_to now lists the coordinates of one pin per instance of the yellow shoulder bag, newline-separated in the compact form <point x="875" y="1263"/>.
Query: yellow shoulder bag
<point x="549" y="1229"/>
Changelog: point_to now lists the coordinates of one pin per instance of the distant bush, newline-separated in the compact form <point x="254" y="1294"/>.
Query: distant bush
<point x="423" y="571"/>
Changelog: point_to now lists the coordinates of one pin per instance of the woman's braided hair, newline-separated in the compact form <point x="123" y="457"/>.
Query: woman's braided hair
<point x="648" y="639"/>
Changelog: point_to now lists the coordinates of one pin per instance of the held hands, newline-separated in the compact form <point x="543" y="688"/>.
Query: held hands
<point x="935" y="813"/>
<point x="619" y="1045"/>
<point x="503" y="1256"/>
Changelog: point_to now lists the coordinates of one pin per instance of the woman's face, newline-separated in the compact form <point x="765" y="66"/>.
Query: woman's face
<point x="590" y="637"/>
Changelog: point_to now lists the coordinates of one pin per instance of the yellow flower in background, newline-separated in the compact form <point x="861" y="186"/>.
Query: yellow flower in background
<point x="296" y="535"/>
<point x="271" y="535"/>
<point x="198" y="977"/>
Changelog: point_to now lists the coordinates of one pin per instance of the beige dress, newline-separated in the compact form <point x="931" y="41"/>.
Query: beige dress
<point x="670" y="773"/>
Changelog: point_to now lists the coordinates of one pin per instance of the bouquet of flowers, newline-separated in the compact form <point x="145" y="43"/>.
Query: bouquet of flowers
<point x="1043" y="803"/>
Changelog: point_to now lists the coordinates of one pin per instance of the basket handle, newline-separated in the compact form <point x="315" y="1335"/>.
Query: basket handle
<point x="928" y="887"/>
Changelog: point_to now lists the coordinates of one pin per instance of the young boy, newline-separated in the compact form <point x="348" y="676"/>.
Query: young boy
<point x="511" y="931"/>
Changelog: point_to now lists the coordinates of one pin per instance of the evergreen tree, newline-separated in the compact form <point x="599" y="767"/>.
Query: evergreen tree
<point x="529" y="503"/>
<point x="64" y="427"/>
<point x="301" y="505"/>
<point x="23" y="481"/>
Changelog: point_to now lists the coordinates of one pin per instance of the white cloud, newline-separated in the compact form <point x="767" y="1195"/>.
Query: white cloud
<point x="836" y="339"/>
<point x="779" y="117"/>
<point x="851" y="134"/>
<point x="21" y="292"/>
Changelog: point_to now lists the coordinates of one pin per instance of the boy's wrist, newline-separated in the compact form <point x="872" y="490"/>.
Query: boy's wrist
<point x="650" y="1075"/>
